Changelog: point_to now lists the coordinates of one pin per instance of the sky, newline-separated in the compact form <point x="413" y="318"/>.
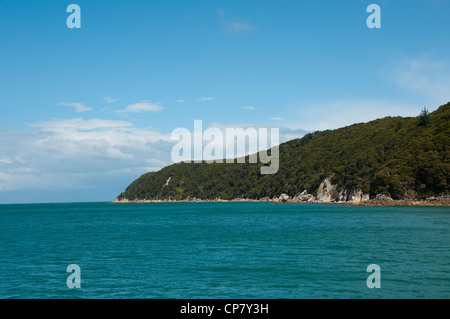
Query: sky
<point x="85" y="111"/>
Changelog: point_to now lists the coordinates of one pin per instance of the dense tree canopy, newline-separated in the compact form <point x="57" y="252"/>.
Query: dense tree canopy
<point x="399" y="157"/>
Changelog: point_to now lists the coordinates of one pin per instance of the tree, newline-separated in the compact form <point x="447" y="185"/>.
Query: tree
<point x="424" y="117"/>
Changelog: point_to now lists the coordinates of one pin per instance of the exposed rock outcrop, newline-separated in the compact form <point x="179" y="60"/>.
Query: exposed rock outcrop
<point x="284" y="198"/>
<point x="304" y="197"/>
<point x="352" y="195"/>
<point x="327" y="192"/>
<point x="383" y="198"/>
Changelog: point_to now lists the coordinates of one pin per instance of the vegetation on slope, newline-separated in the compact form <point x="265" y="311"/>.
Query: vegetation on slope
<point x="399" y="157"/>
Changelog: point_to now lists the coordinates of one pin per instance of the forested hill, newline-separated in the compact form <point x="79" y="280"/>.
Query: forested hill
<point x="404" y="158"/>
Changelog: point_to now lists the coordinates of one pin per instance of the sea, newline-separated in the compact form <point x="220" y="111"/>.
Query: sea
<point x="223" y="250"/>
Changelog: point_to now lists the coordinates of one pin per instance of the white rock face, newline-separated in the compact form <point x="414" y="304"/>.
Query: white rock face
<point x="358" y="196"/>
<point x="327" y="193"/>
<point x="352" y="195"/>
<point x="304" y="197"/>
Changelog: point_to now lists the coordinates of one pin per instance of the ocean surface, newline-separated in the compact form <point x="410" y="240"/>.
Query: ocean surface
<point x="223" y="250"/>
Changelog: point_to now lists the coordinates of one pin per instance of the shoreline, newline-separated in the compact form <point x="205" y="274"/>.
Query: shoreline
<point x="428" y="202"/>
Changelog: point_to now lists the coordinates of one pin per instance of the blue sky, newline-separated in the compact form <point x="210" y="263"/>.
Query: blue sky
<point x="86" y="111"/>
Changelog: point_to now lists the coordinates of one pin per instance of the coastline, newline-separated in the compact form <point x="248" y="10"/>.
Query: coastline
<point x="433" y="201"/>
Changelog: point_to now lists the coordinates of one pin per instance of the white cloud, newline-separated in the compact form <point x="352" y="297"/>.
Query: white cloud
<point x="180" y="101"/>
<point x="143" y="106"/>
<point x="79" y="107"/>
<point x="248" y="107"/>
<point x="426" y="77"/>
<point x="107" y="99"/>
<point x="79" y="154"/>
<point x="340" y="113"/>
<point x="6" y="160"/>
<point x="204" y="99"/>
<point x="80" y="124"/>
<point x="426" y="83"/>
<point x="277" y="118"/>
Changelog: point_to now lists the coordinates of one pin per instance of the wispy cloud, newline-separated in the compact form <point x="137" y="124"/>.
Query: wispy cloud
<point x="248" y="107"/>
<point x="80" y="124"/>
<point x="79" y="107"/>
<point x="426" y="77"/>
<point x="234" y="26"/>
<point x="426" y="82"/>
<point x="277" y="118"/>
<point x="340" y="113"/>
<point x="143" y="106"/>
<point x="107" y="99"/>
<point x="180" y="101"/>
<point x="286" y="134"/>
<point x="204" y="99"/>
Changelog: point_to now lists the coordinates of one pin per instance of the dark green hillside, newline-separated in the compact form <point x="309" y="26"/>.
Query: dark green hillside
<point x="399" y="157"/>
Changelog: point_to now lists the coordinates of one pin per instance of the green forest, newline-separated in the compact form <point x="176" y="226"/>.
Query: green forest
<point x="404" y="158"/>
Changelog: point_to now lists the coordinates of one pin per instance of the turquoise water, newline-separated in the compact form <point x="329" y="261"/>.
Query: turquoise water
<point x="223" y="250"/>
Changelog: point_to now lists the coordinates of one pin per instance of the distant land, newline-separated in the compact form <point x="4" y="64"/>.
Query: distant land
<point x="388" y="161"/>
